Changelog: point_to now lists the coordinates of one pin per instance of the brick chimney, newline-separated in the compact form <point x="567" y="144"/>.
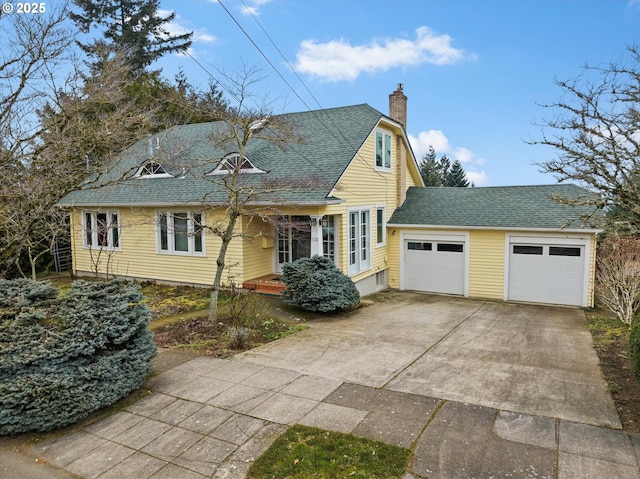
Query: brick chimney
<point x="398" y="106"/>
<point x="398" y="112"/>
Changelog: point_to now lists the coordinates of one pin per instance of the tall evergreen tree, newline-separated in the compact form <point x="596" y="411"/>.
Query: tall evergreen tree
<point x="456" y="176"/>
<point x="132" y="25"/>
<point x="429" y="169"/>
<point x="442" y="172"/>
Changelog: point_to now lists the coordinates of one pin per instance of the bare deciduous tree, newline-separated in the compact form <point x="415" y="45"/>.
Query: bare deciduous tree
<point x="596" y="133"/>
<point x="31" y="48"/>
<point x="618" y="277"/>
<point x="81" y="130"/>
<point x="247" y="195"/>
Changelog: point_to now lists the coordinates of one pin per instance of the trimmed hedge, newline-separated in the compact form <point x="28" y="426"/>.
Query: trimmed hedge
<point x="316" y="284"/>
<point x="63" y="357"/>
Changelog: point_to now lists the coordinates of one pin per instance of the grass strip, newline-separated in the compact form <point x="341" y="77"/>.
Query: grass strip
<point x="311" y="453"/>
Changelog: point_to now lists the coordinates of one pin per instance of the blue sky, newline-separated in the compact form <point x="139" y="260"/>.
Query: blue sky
<point x="475" y="71"/>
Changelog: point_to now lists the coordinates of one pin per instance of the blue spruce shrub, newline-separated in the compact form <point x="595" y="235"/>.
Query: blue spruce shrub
<point x="62" y="358"/>
<point x="316" y="284"/>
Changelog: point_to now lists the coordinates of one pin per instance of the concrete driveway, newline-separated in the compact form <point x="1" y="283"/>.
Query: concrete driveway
<point x="536" y="360"/>
<point x="476" y="389"/>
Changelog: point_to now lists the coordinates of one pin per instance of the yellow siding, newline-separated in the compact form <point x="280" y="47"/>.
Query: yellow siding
<point x="592" y="271"/>
<point x="393" y="246"/>
<point x="259" y="249"/>
<point x="363" y="186"/>
<point x="138" y="257"/>
<point x="486" y="264"/>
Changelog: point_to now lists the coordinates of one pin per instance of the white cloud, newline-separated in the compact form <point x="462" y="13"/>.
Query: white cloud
<point x="440" y="143"/>
<point x="425" y="139"/>
<point x="478" y="178"/>
<point x="338" y="60"/>
<point x="252" y="7"/>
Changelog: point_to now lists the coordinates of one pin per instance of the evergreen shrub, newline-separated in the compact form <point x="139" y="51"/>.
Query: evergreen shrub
<point x="63" y="357"/>
<point x="316" y="284"/>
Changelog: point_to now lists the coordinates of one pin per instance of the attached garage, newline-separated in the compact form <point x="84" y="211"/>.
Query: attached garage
<point x="515" y="243"/>
<point x="435" y="264"/>
<point x="547" y="270"/>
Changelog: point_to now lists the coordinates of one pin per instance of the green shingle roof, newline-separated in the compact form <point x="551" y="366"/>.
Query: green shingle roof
<point x="534" y="207"/>
<point x="327" y="141"/>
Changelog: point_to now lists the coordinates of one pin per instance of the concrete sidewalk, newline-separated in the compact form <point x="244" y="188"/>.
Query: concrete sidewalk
<point x="475" y="389"/>
<point x="212" y="417"/>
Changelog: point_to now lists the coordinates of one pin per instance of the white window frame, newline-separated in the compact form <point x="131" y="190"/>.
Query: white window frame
<point x="170" y="233"/>
<point x="382" y="225"/>
<point x="91" y="235"/>
<point x="151" y="169"/>
<point x="386" y="158"/>
<point x="359" y="240"/>
<point x="229" y="164"/>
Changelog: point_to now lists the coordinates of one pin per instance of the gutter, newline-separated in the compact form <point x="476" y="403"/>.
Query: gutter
<point x="196" y="204"/>
<point x="493" y="228"/>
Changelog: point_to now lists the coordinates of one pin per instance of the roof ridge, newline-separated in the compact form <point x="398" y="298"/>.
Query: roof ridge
<point x="476" y="188"/>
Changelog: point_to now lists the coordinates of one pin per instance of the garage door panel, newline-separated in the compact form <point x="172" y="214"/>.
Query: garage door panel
<point x="436" y="267"/>
<point x="546" y="273"/>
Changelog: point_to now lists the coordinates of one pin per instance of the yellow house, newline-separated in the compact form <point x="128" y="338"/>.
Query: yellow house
<point x="349" y="188"/>
<point x="146" y="219"/>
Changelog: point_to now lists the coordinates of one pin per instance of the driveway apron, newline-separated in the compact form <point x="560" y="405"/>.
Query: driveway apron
<point x="536" y="360"/>
<point x="371" y="345"/>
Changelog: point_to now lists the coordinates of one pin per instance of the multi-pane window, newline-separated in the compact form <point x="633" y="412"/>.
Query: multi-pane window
<point x="329" y="238"/>
<point x="381" y="230"/>
<point x="359" y="241"/>
<point x="180" y="233"/>
<point x="233" y="163"/>
<point x="383" y="150"/>
<point x="152" y="169"/>
<point x="101" y="229"/>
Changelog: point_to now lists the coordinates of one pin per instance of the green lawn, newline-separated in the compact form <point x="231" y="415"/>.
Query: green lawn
<point x="309" y="453"/>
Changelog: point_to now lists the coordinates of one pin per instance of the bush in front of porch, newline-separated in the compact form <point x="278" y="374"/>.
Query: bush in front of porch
<point x="316" y="284"/>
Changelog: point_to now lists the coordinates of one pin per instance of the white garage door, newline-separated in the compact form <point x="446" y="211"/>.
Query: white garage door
<point x="546" y="273"/>
<point x="436" y="266"/>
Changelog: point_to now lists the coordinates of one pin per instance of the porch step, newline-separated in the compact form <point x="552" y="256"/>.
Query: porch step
<point x="269" y="285"/>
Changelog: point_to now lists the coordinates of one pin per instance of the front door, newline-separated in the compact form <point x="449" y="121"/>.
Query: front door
<point x="294" y="240"/>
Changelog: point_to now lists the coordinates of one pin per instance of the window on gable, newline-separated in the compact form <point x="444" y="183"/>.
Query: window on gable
<point x="383" y="150"/>
<point x="101" y="229"/>
<point x="232" y="163"/>
<point x="152" y="169"/>
<point x="180" y="233"/>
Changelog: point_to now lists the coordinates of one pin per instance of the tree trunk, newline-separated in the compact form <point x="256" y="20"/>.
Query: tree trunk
<point x="32" y="262"/>
<point x="215" y="288"/>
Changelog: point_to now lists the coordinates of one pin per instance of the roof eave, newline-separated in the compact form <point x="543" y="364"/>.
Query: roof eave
<point x="173" y="204"/>
<point x="504" y="228"/>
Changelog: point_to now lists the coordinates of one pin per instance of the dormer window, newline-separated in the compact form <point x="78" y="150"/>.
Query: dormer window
<point x="234" y="162"/>
<point x="152" y="169"/>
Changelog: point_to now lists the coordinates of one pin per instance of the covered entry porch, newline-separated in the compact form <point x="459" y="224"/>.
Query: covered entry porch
<point x="297" y="236"/>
